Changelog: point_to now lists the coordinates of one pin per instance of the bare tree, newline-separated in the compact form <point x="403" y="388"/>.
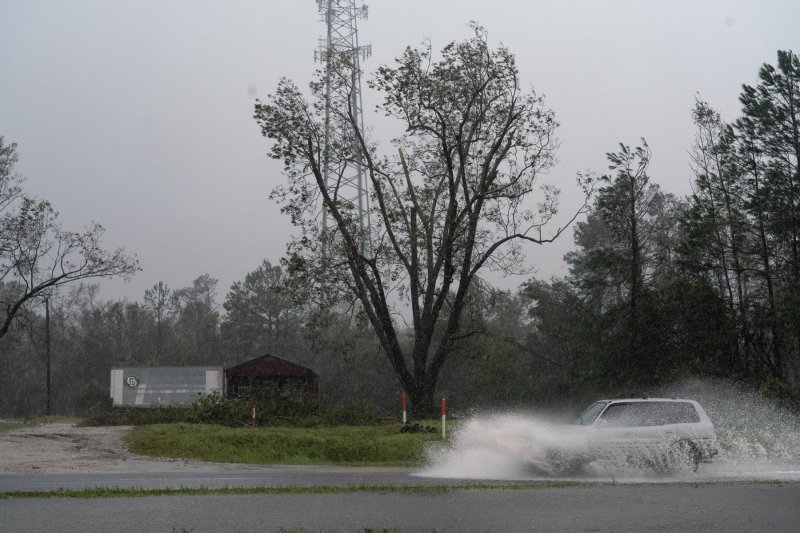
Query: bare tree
<point x="36" y="254"/>
<point x="454" y="200"/>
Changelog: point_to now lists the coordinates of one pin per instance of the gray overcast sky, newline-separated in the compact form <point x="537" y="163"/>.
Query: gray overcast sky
<point x="138" y="114"/>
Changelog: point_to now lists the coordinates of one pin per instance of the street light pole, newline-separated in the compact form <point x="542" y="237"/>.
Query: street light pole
<point x="47" y="348"/>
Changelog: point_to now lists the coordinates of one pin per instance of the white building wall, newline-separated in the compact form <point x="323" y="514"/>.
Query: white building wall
<point x="116" y="385"/>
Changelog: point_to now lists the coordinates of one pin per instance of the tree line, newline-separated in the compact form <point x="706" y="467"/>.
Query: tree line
<point x="661" y="285"/>
<point x="263" y="313"/>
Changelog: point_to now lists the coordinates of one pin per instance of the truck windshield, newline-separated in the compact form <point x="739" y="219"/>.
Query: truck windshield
<point x="588" y="416"/>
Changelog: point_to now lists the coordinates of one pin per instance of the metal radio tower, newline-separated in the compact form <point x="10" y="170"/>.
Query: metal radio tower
<point x="341" y="46"/>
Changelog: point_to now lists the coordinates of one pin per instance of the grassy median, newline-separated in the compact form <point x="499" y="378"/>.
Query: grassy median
<point x="381" y="445"/>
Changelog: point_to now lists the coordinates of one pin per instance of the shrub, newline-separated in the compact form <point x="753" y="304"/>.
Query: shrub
<point x="414" y="427"/>
<point x="137" y="416"/>
<point x="275" y="406"/>
<point x="214" y="408"/>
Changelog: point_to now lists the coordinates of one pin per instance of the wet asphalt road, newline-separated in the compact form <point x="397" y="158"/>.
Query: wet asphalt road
<point x="603" y="507"/>
<point x="707" y="501"/>
<point x="156" y="475"/>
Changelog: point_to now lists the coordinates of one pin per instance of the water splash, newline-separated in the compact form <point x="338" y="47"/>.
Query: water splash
<point x="501" y="446"/>
<point x="757" y="440"/>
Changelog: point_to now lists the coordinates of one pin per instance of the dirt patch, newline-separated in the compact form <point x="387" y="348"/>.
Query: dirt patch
<point x="65" y="448"/>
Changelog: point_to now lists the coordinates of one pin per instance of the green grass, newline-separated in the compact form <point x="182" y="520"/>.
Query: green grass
<point x="341" y="445"/>
<point x="121" y="492"/>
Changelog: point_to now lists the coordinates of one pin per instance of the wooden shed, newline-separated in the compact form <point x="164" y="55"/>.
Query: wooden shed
<point x="268" y="369"/>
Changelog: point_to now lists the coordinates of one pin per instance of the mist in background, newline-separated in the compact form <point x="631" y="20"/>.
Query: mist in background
<point x="139" y="114"/>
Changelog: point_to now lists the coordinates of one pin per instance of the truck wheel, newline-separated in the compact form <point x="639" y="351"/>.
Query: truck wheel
<point x="684" y="455"/>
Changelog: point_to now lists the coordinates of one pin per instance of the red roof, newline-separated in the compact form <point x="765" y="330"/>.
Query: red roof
<point x="269" y="366"/>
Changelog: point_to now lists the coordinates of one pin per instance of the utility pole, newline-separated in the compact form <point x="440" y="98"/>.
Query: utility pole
<point x="47" y="349"/>
<point x="343" y="90"/>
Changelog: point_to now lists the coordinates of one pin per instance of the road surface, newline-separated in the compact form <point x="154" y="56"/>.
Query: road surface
<point x="655" y="507"/>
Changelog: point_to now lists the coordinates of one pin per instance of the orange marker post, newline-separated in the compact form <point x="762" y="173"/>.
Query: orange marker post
<point x="404" y="399"/>
<point x="444" y="417"/>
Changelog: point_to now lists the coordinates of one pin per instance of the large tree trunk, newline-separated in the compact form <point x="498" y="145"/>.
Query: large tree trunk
<point x="423" y="402"/>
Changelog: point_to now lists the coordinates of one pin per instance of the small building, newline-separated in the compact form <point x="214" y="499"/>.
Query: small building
<point x="269" y="370"/>
<point x="151" y="386"/>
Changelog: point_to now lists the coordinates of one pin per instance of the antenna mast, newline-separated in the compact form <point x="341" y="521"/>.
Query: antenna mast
<point x="341" y="47"/>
